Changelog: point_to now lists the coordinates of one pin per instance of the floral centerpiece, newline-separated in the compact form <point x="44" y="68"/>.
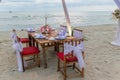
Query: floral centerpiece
<point x="116" y="13"/>
<point x="45" y="29"/>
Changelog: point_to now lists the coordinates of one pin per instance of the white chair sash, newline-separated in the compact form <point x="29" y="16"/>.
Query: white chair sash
<point x="14" y="37"/>
<point x="19" y="48"/>
<point x="77" y="50"/>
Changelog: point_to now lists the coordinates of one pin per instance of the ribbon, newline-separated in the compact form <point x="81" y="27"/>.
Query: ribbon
<point x="19" y="48"/>
<point x="14" y="37"/>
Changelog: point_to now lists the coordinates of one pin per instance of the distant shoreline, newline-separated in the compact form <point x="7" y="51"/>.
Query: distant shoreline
<point x="25" y="20"/>
<point x="102" y="25"/>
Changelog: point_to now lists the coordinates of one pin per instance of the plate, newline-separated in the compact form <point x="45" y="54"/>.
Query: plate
<point x="40" y="37"/>
<point x="60" y="38"/>
<point x="51" y="38"/>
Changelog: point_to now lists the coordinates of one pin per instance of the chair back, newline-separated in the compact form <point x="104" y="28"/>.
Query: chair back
<point x="74" y="48"/>
<point x="63" y="27"/>
<point x="72" y="54"/>
<point x="77" y="33"/>
<point x="69" y="45"/>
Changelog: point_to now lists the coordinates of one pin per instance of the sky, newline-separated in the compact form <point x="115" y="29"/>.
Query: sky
<point x="56" y="5"/>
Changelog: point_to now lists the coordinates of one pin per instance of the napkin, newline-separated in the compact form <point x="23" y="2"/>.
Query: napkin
<point x="60" y="37"/>
<point x="30" y="29"/>
<point x="62" y="34"/>
<point x="51" y="38"/>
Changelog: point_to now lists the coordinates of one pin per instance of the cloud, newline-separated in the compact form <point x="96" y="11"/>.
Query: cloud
<point x="57" y="1"/>
<point x="42" y="1"/>
<point x="17" y="0"/>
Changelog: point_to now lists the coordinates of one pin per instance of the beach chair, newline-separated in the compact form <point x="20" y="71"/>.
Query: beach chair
<point x="14" y="38"/>
<point x="31" y="51"/>
<point x="77" y="33"/>
<point x="68" y="59"/>
<point x="24" y="54"/>
<point x="25" y="40"/>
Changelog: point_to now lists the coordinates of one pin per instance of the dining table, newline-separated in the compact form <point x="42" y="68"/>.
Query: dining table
<point x="46" y="42"/>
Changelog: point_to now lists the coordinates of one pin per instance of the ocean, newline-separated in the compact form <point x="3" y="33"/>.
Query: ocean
<point x="24" y="20"/>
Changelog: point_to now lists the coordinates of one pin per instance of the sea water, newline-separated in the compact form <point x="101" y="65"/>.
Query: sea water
<point x="24" y="20"/>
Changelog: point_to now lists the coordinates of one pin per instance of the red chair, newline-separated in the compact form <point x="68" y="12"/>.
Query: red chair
<point x="25" y="54"/>
<point x="25" y="40"/>
<point x="30" y="51"/>
<point x="68" y="59"/>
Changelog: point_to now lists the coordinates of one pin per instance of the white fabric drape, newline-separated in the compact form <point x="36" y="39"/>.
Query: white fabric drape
<point x="117" y="3"/>
<point x="117" y="36"/>
<point x="77" y="50"/>
<point x="14" y="37"/>
<point x="19" y="48"/>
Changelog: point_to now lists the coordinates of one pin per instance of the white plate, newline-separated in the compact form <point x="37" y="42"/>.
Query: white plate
<point x="51" y="38"/>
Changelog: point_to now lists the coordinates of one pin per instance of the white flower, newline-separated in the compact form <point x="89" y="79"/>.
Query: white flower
<point x="116" y="13"/>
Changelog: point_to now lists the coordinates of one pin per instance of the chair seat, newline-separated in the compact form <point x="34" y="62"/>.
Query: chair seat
<point x="24" y="40"/>
<point x="30" y="51"/>
<point x="68" y="59"/>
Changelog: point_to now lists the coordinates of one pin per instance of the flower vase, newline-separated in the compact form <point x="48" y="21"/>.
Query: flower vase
<point x="117" y="36"/>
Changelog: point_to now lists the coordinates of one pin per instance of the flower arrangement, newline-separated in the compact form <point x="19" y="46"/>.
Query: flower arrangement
<point x="45" y="29"/>
<point x="116" y="13"/>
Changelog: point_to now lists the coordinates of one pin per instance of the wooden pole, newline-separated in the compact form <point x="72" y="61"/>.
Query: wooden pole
<point x="67" y="17"/>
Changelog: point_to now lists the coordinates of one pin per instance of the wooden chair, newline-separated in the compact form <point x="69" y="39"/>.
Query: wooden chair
<point x="30" y="51"/>
<point x="77" y="33"/>
<point x="25" y="40"/>
<point x="67" y="59"/>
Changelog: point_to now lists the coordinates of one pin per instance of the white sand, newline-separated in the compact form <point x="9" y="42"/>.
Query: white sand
<point x="102" y="59"/>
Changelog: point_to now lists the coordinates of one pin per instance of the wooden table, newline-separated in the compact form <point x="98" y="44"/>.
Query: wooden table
<point x="45" y="43"/>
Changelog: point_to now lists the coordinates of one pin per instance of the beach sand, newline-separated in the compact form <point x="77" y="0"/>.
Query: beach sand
<point x="101" y="58"/>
